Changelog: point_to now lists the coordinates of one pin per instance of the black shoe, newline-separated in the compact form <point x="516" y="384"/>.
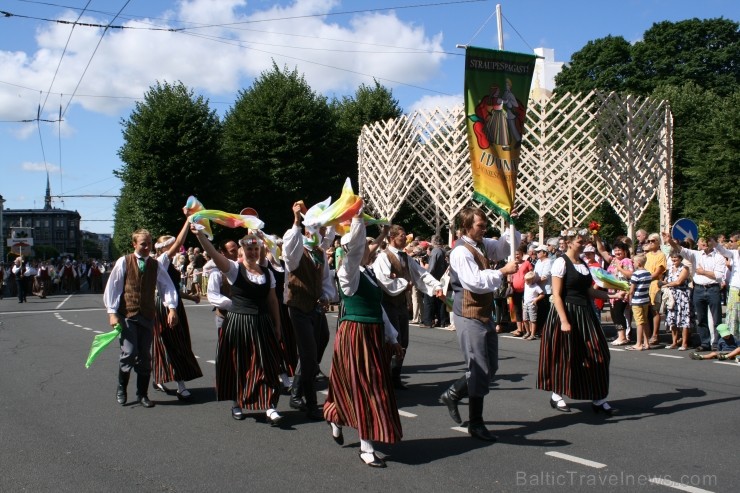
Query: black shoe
<point x="604" y="408"/>
<point x="121" y="395"/>
<point x="480" y="432"/>
<point x="451" y="404"/>
<point x="399" y="385"/>
<point x="185" y="395"/>
<point x="297" y="403"/>
<point x="237" y="414"/>
<point x="314" y="413"/>
<point x="339" y="440"/>
<point x="563" y="409"/>
<point x="377" y="461"/>
<point x="160" y="388"/>
<point x="145" y="402"/>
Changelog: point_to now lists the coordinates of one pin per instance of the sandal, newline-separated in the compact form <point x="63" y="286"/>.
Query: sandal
<point x="516" y="333"/>
<point x="672" y="346"/>
<point x="683" y="348"/>
<point x="722" y="356"/>
<point x="617" y="342"/>
<point x="696" y="356"/>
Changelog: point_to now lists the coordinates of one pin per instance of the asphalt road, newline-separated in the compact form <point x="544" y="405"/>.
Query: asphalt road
<point x="62" y="430"/>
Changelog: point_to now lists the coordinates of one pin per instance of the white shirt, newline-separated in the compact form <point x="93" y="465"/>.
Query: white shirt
<point x="712" y="261"/>
<point x="558" y="268"/>
<point x="233" y="274"/>
<point x="420" y="277"/>
<point x="213" y="292"/>
<point x="350" y="271"/>
<point x="470" y="276"/>
<point x="292" y="253"/>
<point x="543" y="271"/>
<point x="114" y="288"/>
<point x="531" y="291"/>
<point x="734" y="256"/>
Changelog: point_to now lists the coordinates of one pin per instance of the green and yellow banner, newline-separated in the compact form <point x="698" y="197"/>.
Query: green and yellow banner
<point x="496" y="92"/>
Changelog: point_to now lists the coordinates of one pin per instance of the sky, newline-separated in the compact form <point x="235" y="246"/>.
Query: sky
<point x="93" y="77"/>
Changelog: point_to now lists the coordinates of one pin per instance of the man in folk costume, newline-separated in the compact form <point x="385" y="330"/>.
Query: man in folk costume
<point x="309" y="289"/>
<point x="473" y="282"/>
<point x="397" y="274"/>
<point x="129" y="298"/>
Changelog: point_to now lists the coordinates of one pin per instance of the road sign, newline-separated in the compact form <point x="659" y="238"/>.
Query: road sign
<point x="685" y="229"/>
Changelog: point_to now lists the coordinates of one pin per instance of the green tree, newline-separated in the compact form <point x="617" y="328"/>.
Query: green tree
<point x="369" y="105"/>
<point x="702" y="51"/>
<point x="170" y="151"/>
<point x="603" y="64"/>
<point x="279" y="146"/>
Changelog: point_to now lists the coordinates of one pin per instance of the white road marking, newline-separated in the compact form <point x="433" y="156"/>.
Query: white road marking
<point x="678" y="486"/>
<point x="512" y="337"/>
<point x="78" y="325"/>
<point x="577" y="460"/>
<point x="616" y="349"/>
<point x="211" y="361"/>
<point x="86" y="328"/>
<point x="63" y="302"/>
<point x="727" y="363"/>
<point x="666" y="355"/>
<point x="460" y="429"/>
<point x="407" y="414"/>
<point x="98" y="331"/>
<point x="36" y="312"/>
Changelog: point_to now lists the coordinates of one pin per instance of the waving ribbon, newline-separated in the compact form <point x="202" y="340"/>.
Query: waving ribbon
<point x="607" y="281"/>
<point x="193" y="205"/>
<point x="339" y="213"/>
<point x="227" y="219"/>
<point x="100" y="342"/>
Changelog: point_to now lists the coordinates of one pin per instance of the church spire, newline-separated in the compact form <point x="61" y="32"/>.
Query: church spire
<point x="47" y="199"/>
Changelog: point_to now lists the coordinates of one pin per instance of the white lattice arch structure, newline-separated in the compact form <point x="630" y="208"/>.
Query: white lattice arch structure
<point x="578" y="151"/>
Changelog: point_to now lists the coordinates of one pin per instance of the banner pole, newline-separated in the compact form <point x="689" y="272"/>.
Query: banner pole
<point x="500" y="26"/>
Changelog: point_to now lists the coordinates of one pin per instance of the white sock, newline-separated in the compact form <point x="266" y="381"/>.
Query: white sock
<point x="556" y="397"/>
<point x="600" y="402"/>
<point x="366" y="446"/>
<point x="181" y="385"/>
<point x="336" y="430"/>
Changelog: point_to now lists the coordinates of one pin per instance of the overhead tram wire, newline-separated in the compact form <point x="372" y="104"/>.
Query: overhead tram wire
<point x="239" y="44"/>
<point x="91" y="58"/>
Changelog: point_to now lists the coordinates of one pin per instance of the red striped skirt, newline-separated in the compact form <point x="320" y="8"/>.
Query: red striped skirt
<point x="172" y="353"/>
<point x="575" y="363"/>
<point x="360" y="390"/>
<point x="248" y="362"/>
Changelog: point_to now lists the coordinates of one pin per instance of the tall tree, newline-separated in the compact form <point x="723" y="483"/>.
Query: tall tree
<point x="603" y="64"/>
<point x="369" y="105"/>
<point x="279" y="146"/>
<point x="171" y="144"/>
<point x="702" y="51"/>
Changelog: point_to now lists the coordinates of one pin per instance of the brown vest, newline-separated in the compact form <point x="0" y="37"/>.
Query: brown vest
<point x="402" y="272"/>
<point x="305" y="284"/>
<point x="138" y="288"/>
<point x="226" y="291"/>
<point x="477" y="305"/>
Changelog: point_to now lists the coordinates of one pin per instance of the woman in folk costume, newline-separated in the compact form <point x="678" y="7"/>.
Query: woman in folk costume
<point x="574" y="354"/>
<point x="360" y="385"/>
<point x="248" y="359"/>
<point x="172" y="355"/>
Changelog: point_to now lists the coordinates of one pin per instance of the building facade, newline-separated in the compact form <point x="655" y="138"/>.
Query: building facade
<point x="52" y="227"/>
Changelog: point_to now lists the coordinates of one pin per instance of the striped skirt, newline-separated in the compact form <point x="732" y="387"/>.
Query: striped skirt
<point x="360" y="390"/>
<point x="575" y="363"/>
<point x="172" y="354"/>
<point x="248" y="362"/>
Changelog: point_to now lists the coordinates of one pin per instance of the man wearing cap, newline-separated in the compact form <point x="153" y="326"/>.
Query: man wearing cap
<point x="397" y="274"/>
<point x="473" y="282"/>
<point x="129" y="299"/>
<point x="726" y="346"/>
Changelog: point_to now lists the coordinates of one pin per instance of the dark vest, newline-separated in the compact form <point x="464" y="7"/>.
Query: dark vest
<point x="402" y="272"/>
<point x="575" y="284"/>
<point x="305" y="284"/>
<point x="248" y="297"/>
<point x="138" y="288"/>
<point x="364" y="306"/>
<point x="478" y="306"/>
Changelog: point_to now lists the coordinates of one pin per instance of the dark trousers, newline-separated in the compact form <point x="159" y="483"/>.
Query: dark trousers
<point x="312" y="336"/>
<point x="706" y="298"/>
<point x="399" y="317"/>
<point x="21" y="288"/>
<point x="136" y="345"/>
<point x="433" y="309"/>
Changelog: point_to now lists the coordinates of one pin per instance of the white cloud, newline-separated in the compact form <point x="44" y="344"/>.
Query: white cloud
<point x="36" y="167"/>
<point x="331" y="56"/>
<point x="441" y="102"/>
